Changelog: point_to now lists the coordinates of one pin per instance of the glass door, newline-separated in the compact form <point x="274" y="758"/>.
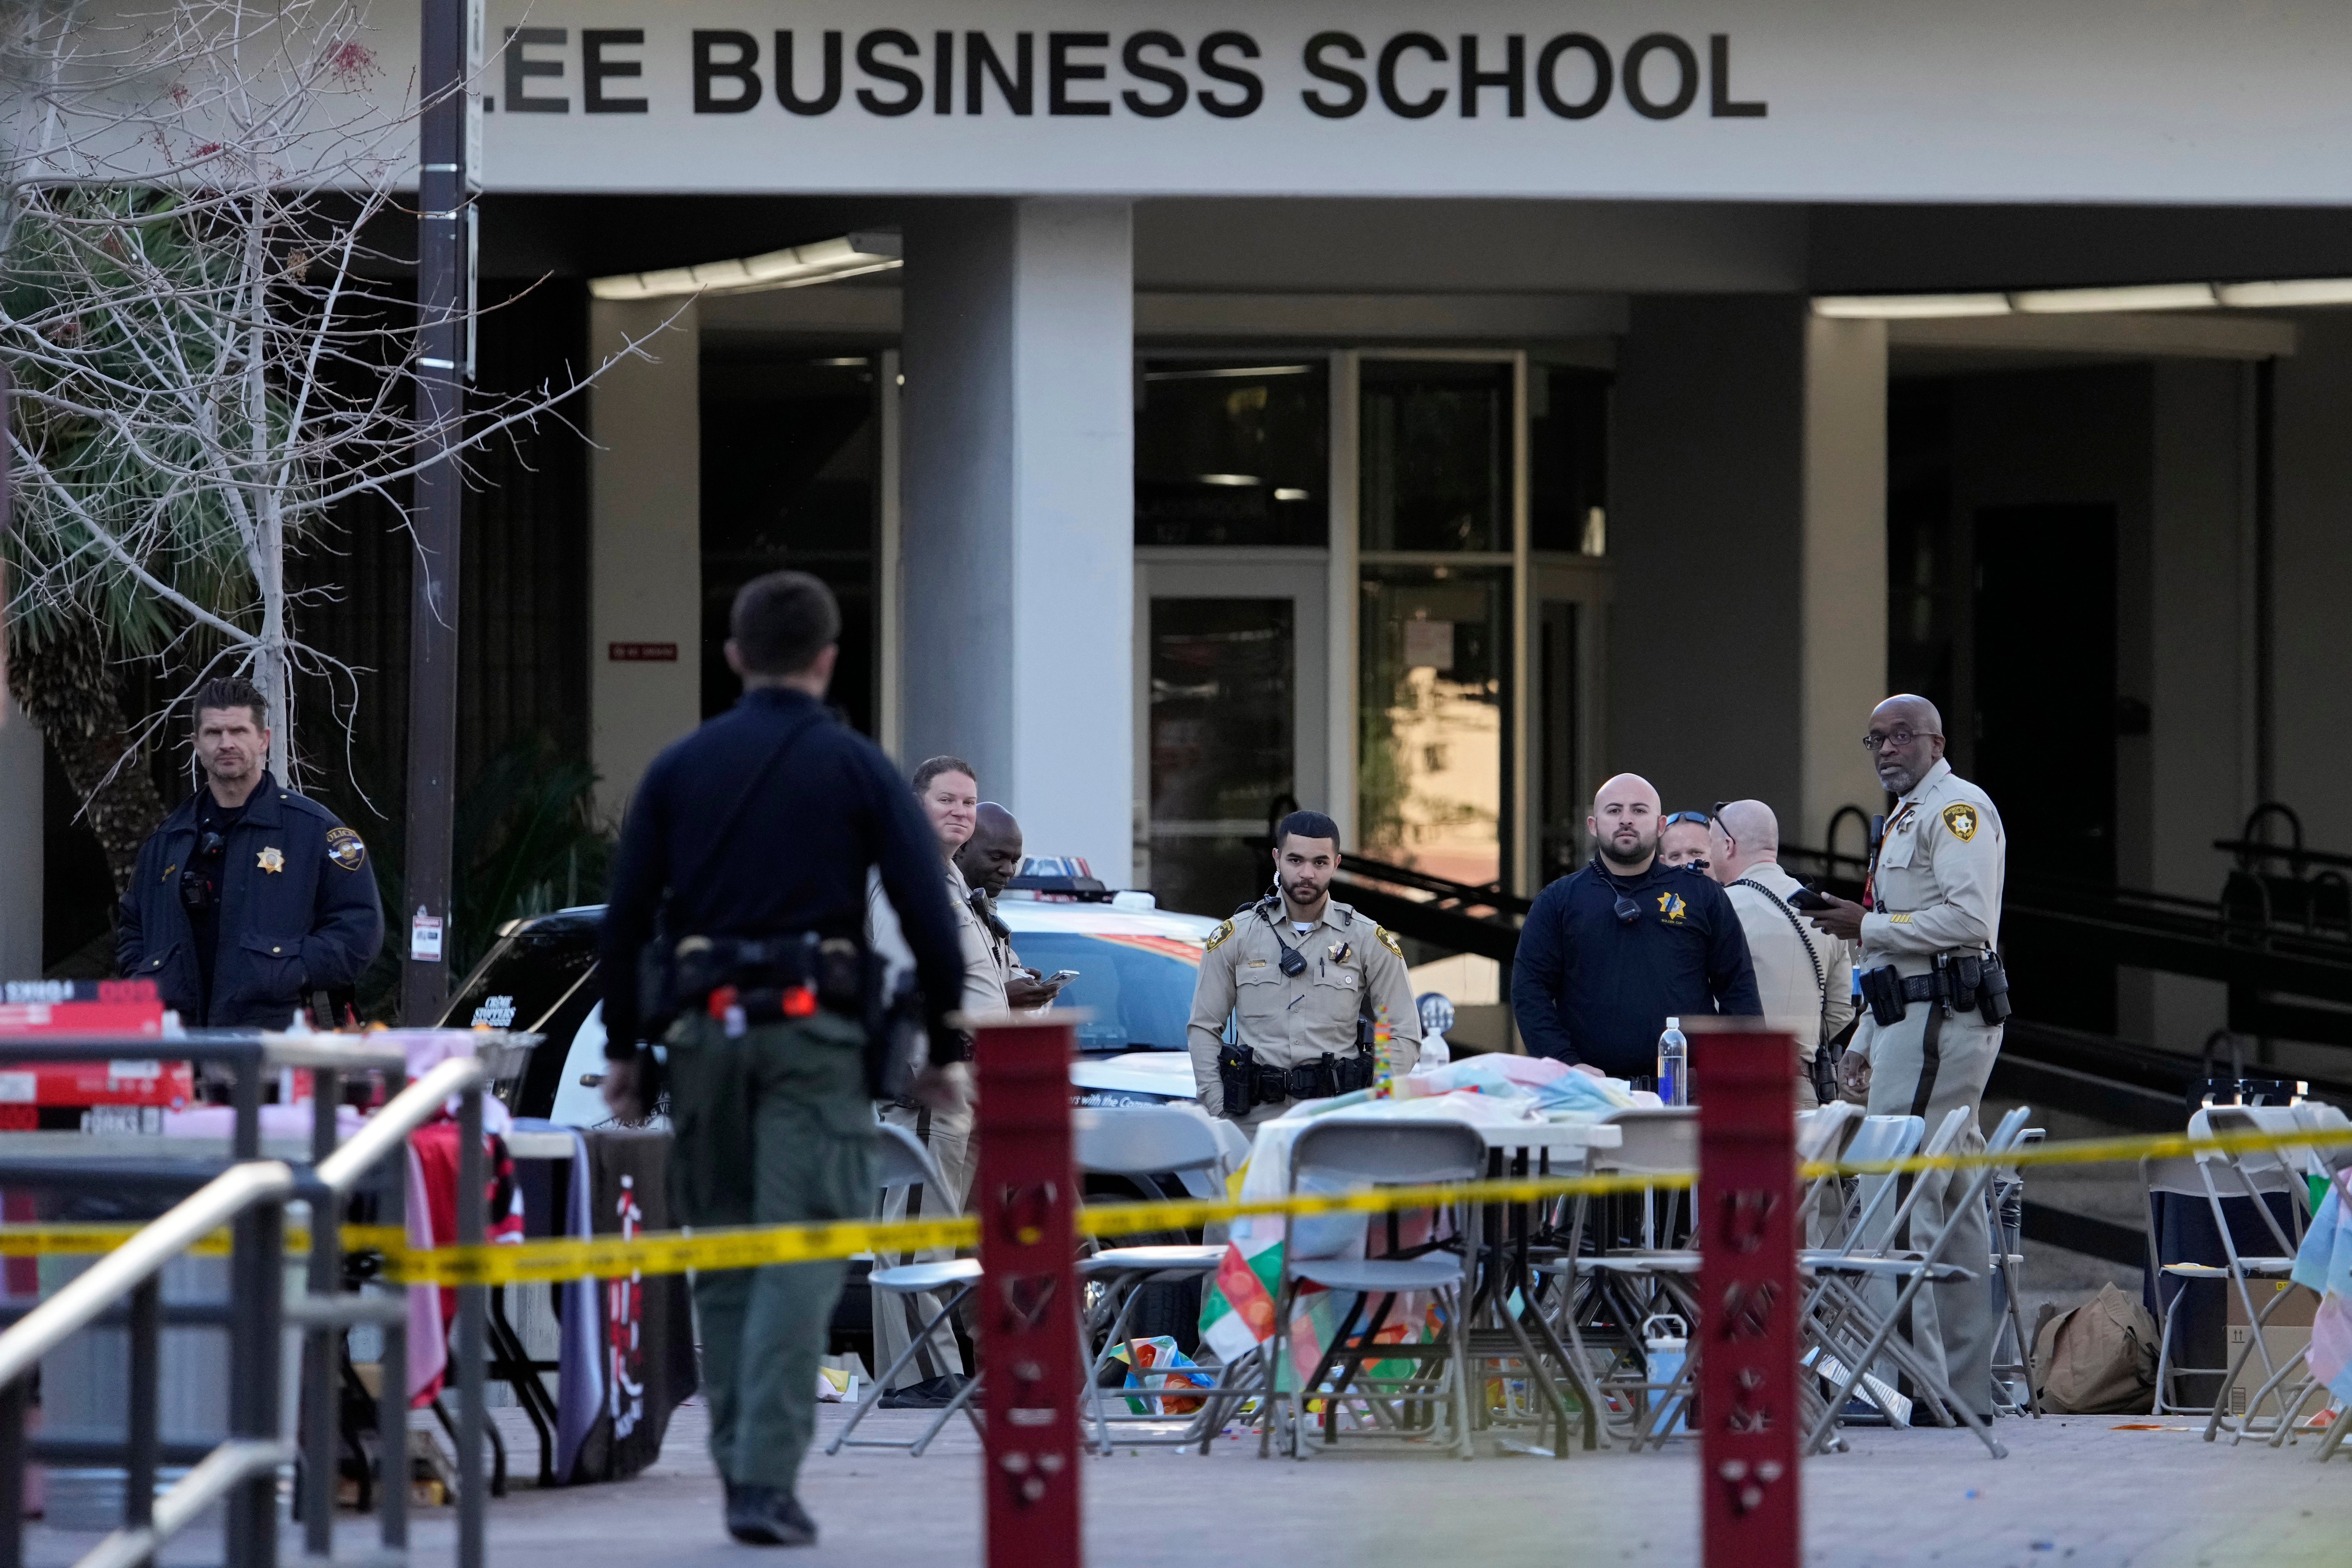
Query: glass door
<point x="1569" y="605"/>
<point x="1232" y="655"/>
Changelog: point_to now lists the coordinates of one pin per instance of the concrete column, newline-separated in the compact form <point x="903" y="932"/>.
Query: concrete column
<point x="20" y="843"/>
<point x="1019" y="498"/>
<point x="645" y="525"/>
<point x="1747" y="638"/>
<point x="1844" y="667"/>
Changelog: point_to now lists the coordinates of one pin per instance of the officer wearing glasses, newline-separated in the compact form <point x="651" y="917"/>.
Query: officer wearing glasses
<point x="250" y="897"/>
<point x="1610" y="952"/>
<point x="1936" y="996"/>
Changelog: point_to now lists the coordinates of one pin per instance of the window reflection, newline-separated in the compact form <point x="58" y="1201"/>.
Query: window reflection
<point x="1432" y="751"/>
<point x="1436" y="455"/>
<point x="1233" y="453"/>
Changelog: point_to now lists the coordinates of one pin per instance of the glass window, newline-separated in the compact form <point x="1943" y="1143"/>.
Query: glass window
<point x="1567" y="459"/>
<point x="1233" y="453"/>
<point x="1136" y="989"/>
<point x="1434" y="754"/>
<point x="1436" y="455"/>
<point x="1224" y="679"/>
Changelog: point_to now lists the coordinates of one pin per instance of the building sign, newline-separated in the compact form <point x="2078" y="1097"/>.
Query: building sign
<point x="641" y="652"/>
<point x="1965" y="100"/>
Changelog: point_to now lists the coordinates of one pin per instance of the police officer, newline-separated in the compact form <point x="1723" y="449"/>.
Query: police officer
<point x="249" y="897"/>
<point x="760" y="827"/>
<point x="1307" y="981"/>
<point x="988" y="860"/>
<point x="1935" y="994"/>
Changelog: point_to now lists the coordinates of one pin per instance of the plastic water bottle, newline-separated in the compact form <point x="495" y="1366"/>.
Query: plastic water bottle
<point x="1674" y="1065"/>
<point x="1666" y="1342"/>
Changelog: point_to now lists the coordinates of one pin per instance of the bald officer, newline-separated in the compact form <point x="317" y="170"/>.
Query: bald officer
<point x="1935" y="994"/>
<point x="1306" y="979"/>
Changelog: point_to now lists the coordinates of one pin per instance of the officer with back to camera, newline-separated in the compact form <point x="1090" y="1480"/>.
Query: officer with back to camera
<point x="759" y="829"/>
<point x="250" y="897"/>
<point x="1935" y="994"/>
<point x="1307" y="981"/>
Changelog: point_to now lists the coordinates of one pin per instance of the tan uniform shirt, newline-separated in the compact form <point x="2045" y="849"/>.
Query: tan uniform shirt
<point x="1288" y="1020"/>
<point x="1797" y="996"/>
<point x="1937" y="884"/>
<point x="983" y="978"/>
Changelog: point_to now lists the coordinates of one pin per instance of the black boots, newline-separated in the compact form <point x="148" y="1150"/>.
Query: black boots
<point x="764" y="1516"/>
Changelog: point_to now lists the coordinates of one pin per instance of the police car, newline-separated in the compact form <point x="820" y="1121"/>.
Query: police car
<point x="1136" y="970"/>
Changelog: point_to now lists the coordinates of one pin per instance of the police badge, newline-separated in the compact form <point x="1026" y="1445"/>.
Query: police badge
<point x="344" y="848"/>
<point x="272" y="859"/>
<point x="1961" y="819"/>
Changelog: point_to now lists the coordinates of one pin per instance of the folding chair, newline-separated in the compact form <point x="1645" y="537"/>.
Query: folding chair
<point x="1871" y="1138"/>
<point x="905" y="1161"/>
<point x="1607" y="1293"/>
<point x="1360" y="1153"/>
<point x="2330" y="1166"/>
<point x="1840" y="1310"/>
<point x="2005" y="1214"/>
<point x="2255" y="1174"/>
<point x="1140" y="1144"/>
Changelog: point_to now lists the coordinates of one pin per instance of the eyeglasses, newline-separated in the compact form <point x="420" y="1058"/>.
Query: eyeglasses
<point x="1875" y="743"/>
<point x="1672" y="817"/>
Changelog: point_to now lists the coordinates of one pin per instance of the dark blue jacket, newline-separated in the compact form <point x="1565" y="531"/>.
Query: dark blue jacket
<point x="1590" y="987"/>
<point x="311" y="923"/>
<point x="788" y="855"/>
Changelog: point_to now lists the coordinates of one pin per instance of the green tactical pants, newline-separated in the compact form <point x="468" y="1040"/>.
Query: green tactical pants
<point x="772" y="1127"/>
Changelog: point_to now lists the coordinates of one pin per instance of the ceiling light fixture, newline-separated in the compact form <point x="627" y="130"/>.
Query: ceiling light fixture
<point x="796" y="268"/>
<point x="2276" y="295"/>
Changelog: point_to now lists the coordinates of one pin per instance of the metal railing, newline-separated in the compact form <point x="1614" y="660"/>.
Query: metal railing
<point x="250" y="1195"/>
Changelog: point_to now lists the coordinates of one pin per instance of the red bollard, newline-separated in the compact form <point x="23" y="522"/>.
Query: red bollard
<point x="1749" y="1420"/>
<point x="1024" y="1194"/>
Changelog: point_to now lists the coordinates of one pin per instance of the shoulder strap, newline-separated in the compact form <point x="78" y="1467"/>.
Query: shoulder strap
<point x="1820" y="975"/>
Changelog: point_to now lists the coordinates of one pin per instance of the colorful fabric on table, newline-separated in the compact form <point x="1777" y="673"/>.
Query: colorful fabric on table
<point x="432" y="1221"/>
<point x="2324" y="1264"/>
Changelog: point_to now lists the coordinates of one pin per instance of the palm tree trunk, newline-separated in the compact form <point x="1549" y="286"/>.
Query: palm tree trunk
<point x="67" y="688"/>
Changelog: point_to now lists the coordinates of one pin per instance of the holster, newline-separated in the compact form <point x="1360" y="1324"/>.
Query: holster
<point x="1992" y="990"/>
<point x="1882" y="992"/>
<point x="1237" y="1075"/>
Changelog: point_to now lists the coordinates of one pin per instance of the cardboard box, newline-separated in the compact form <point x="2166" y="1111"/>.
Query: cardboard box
<point x="2285" y="1336"/>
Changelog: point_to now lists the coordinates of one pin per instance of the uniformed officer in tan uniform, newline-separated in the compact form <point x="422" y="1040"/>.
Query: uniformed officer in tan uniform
<point x="1294" y="971"/>
<point x="1928" y="939"/>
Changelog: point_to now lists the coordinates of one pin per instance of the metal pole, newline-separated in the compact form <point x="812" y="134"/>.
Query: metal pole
<point x="473" y="1309"/>
<point x="1028" y="1330"/>
<point x="392" y="1381"/>
<point x="256" y="1286"/>
<point x="437" y="517"/>
<point x="320" y="1362"/>
<point x="1747" y="1412"/>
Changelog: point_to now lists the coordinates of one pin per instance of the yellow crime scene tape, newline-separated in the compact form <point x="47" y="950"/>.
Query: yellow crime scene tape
<point x="752" y="1246"/>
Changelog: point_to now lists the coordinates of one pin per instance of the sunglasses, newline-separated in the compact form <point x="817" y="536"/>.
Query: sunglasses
<point x="1672" y="817"/>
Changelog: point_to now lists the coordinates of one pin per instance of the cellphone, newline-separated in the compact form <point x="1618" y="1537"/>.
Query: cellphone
<point x="1806" y="899"/>
<point x="1061" y="977"/>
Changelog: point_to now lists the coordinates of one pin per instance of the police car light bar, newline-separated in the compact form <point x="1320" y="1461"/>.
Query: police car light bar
<point x="796" y="268"/>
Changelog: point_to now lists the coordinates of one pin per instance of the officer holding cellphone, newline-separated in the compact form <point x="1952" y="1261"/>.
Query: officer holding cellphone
<point x="1935" y="994"/>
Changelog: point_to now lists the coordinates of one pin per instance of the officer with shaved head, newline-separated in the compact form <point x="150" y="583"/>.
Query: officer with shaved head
<point x="1609" y="954"/>
<point x="1805" y="978"/>
<point x="1936" y="996"/>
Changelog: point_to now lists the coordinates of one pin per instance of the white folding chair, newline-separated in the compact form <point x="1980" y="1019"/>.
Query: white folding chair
<point x="2258" y="1174"/>
<point x="904" y="1161"/>
<point x="1140" y="1143"/>
<point x="1363" y="1153"/>
<point x="1873" y="1139"/>
<point x="1841" y="1308"/>
<point x="2004" y="1206"/>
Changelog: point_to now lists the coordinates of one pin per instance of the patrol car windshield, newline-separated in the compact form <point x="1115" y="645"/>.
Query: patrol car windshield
<point x="1138" y="987"/>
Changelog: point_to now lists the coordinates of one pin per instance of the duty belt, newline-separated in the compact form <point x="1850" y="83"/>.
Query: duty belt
<point x="1962" y="982"/>
<point x="1249" y="1083"/>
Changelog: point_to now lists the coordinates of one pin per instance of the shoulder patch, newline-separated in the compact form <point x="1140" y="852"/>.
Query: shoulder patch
<point x="1224" y="929"/>
<point x="1961" y="819"/>
<point x="344" y="848"/>
<point x="1388" y="939"/>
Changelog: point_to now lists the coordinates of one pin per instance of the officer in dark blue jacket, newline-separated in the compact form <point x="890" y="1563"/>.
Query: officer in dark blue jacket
<point x="249" y="897"/>
<point x="1610" y="953"/>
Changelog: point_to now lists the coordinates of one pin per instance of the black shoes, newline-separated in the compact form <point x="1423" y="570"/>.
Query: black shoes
<point x="763" y="1516"/>
<point x="931" y="1393"/>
